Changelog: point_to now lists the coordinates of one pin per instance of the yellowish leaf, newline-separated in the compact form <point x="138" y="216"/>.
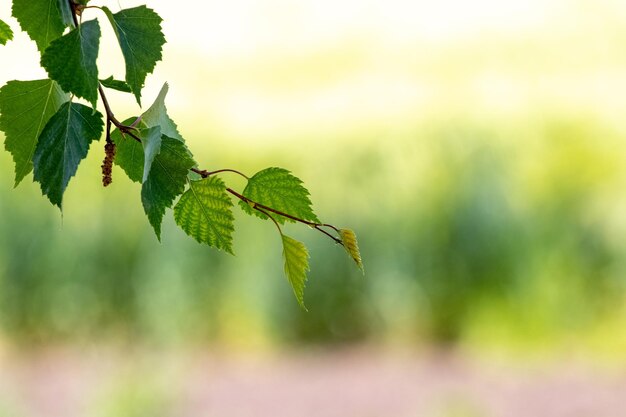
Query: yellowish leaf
<point x="348" y="238"/>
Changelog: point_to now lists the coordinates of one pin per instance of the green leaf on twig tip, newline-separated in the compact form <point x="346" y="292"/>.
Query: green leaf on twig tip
<point x="279" y="189"/>
<point x="63" y="143"/>
<point x="129" y="152"/>
<point x="157" y="115"/>
<point x="42" y="20"/>
<point x="296" y="259"/>
<point x="71" y="61"/>
<point x="6" y="34"/>
<point x="204" y="212"/>
<point x="348" y="238"/>
<point x="25" y="108"/>
<point x="138" y="32"/>
<point x="166" y="180"/>
<point x="151" y="142"/>
<point x="116" y="84"/>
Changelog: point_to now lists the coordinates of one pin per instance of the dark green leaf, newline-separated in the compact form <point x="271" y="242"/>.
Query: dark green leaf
<point x="279" y="189"/>
<point x="138" y="32"/>
<point x="296" y="265"/>
<point x="6" y="34"/>
<point x="25" y="108"/>
<point x="165" y="181"/>
<point x="129" y="153"/>
<point x="156" y="115"/>
<point x="63" y="143"/>
<point x="71" y="61"/>
<point x="116" y="84"/>
<point x="204" y="212"/>
<point x="42" y="20"/>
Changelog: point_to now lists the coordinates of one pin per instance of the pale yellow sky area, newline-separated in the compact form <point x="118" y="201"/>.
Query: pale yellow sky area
<point x="278" y="68"/>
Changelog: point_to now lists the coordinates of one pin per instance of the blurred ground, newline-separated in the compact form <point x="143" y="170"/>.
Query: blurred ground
<point x="345" y="383"/>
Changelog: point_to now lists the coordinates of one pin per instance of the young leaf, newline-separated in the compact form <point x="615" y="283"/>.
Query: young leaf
<point x="129" y="153"/>
<point x="296" y="264"/>
<point x="279" y="189"/>
<point x="71" y="61"/>
<point x="63" y="143"/>
<point x="156" y="115"/>
<point x="6" y="34"/>
<point x="151" y="142"/>
<point x="204" y="212"/>
<point x="115" y="84"/>
<point x="138" y="32"/>
<point x="42" y="20"/>
<point x="165" y="181"/>
<point x="25" y="108"/>
<point x="348" y="238"/>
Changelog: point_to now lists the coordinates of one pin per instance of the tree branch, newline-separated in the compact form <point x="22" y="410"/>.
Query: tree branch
<point x="128" y="129"/>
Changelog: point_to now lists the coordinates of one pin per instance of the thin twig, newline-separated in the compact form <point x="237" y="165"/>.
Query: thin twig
<point x="314" y="225"/>
<point x="271" y="218"/>
<point x="73" y="9"/>
<point x="204" y="173"/>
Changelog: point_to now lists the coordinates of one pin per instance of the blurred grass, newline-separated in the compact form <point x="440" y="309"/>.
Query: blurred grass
<point x="511" y="238"/>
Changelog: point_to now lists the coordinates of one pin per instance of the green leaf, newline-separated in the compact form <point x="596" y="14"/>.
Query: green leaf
<point x="66" y="13"/>
<point x="6" y="34"/>
<point x="71" y="61"/>
<point x="63" y="143"/>
<point x="296" y="265"/>
<point x="138" y="32"/>
<point x="151" y="142"/>
<point x="348" y="239"/>
<point x="128" y="153"/>
<point x="25" y="108"/>
<point x="279" y="189"/>
<point x="115" y="84"/>
<point x="134" y="157"/>
<point x="165" y="181"/>
<point x="204" y="212"/>
<point x="42" y="20"/>
<point x="156" y="115"/>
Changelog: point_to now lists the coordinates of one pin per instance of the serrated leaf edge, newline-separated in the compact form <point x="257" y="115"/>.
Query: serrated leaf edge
<point x="226" y="244"/>
<point x="302" y="267"/>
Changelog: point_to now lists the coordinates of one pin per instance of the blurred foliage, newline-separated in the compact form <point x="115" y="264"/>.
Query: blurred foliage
<point x="513" y="234"/>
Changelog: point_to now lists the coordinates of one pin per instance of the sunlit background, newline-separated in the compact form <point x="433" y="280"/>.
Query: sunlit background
<point x="477" y="148"/>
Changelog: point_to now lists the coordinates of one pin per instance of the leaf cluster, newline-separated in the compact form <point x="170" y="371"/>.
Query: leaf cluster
<point x="49" y="131"/>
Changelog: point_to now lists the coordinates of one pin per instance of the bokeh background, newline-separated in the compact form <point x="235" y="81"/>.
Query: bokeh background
<point x="477" y="148"/>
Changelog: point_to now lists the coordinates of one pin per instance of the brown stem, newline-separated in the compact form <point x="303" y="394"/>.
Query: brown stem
<point x="111" y="117"/>
<point x="270" y="217"/>
<point x="204" y="173"/>
<point x="339" y="241"/>
<point x="108" y="132"/>
<point x="73" y="9"/>
<point x="107" y="108"/>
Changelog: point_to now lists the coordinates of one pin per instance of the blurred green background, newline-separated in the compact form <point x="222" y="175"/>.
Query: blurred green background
<point x="478" y="150"/>
<point x="479" y="163"/>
